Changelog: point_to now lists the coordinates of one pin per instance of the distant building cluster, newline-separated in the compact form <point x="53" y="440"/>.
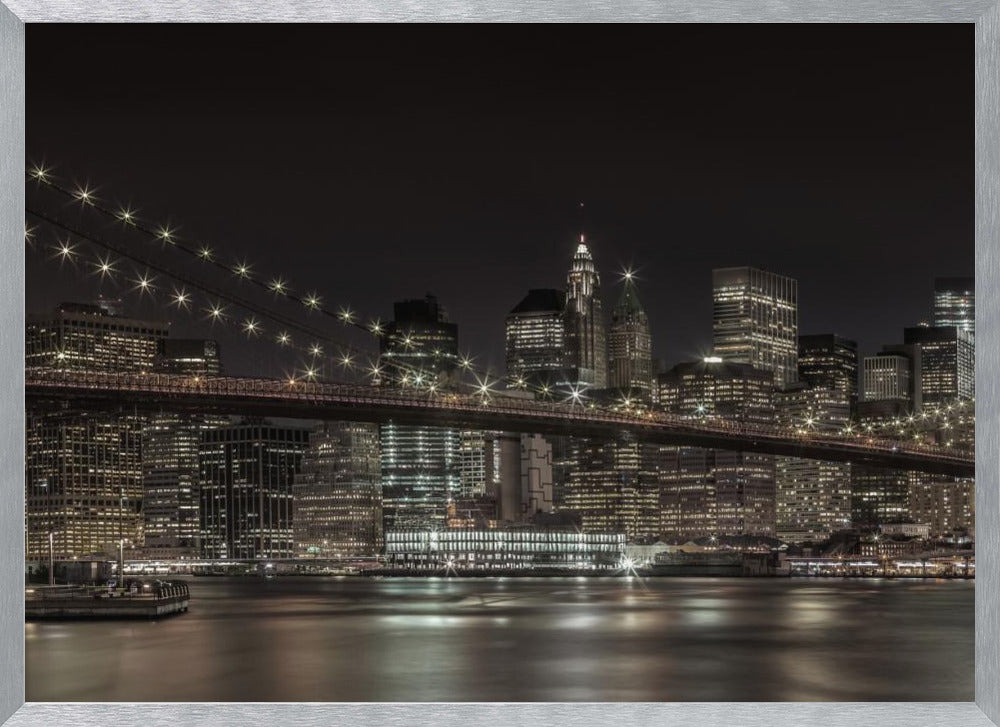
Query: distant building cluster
<point x="171" y="486"/>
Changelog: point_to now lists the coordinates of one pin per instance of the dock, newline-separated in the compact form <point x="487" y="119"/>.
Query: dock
<point x="144" y="601"/>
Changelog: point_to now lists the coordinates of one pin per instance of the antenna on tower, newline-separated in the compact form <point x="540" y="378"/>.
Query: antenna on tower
<point x="582" y="220"/>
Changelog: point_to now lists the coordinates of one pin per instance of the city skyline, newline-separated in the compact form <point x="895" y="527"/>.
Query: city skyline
<point x="868" y="192"/>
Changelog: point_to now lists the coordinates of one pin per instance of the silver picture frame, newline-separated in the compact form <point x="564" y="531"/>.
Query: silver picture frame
<point x="985" y="14"/>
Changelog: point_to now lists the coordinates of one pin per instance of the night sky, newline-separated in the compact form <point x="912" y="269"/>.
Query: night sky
<point x="374" y="163"/>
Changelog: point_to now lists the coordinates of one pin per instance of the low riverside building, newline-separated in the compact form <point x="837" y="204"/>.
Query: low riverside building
<point x="513" y="548"/>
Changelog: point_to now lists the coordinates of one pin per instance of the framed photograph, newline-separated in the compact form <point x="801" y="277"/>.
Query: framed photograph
<point x="552" y="374"/>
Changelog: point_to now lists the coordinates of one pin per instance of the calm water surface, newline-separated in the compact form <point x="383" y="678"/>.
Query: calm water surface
<point x="553" y="639"/>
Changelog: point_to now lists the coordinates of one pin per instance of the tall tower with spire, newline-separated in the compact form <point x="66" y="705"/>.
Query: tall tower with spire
<point x="586" y="345"/>
<point x="630" y="344"/>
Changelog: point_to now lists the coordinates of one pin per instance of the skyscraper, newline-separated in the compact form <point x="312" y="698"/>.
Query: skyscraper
<point x="756" y="321"/>
<point x="535" y="342"/>
<point x="955" y="303"/>
<point x="614" y="486"/>
<point x="830" y="361"/>
<point x="83" y="476"/>
<point x="709" y="491"/>
<point x="947" y="363"/>
<point x="586" y="345"/>
<point x="813" y="497"/>
<point x="171" y="500"/>
<point x="630" y="345"/>
<point x="337" y="495"/>
<point x="420" y="464"/>
<point x="246" y="475"/>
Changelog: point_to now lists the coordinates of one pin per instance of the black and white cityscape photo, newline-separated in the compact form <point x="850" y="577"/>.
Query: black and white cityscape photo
<point x="540" y="365"/>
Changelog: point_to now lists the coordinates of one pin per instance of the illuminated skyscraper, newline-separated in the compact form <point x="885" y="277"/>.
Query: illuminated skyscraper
<point x="813" y="497"/>
<point x="631" y="345"/>
<point x="955" y="303"/>
<point x="246" y="475"/>
<point x="614" y="486"/>
<point x="830" y="361"/>
<point x="83" y="475"/>
<point x="171" y="501"/>
<point x="709" y="491"/>
<point x="337" y="495"/>
<point x="535" y="342"/>
<point x="947" y="363"/>
<point x="586" y="344"/>
<point x="420" y="464"/>
<point x="756" y="321"/>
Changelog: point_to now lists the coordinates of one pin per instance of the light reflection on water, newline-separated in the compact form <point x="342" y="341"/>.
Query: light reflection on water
<point x="558" y="639"/>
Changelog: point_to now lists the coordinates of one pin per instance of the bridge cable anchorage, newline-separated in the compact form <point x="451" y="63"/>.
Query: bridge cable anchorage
<point x="242" y="395"/>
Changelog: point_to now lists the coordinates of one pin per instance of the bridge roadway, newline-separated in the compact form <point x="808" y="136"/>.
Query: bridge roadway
<point x="313" y="400"/>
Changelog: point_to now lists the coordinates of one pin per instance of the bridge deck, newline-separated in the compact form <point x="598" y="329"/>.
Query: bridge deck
<point x="313" y="400"/>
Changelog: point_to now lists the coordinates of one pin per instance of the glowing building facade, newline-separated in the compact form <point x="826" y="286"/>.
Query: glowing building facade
<point x="535" y="339"/>
<point x="755" y="321"/>
<point x="708" y="492"/>
<point x="246" y="476"/>
<point x="955" y="303"/>
<point x="586" y="342"/>
<point x="812" y="497"/>
<point x="337" y="493"/>
<point x="83" y="471"/>
<point x="947" y="363"/>
<point x="171" y="497"/>
<point x="421" y="471"/>
<point x="630" y="346"/>
<point x="830" y="361"/>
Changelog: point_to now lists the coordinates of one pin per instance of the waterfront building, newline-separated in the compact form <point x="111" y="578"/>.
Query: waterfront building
<point x="879" y="495"/>
<point x="522" y="548"/>
<point x="535" y="341"/>
<point x="955" y="303"/>
<point x="813" y="497"/>
<point x="420" y="464"/>
<point x="708" y="492"/>
<point x="246" y="475"/>
<point x="830" y="361"/>
<point x="337" y="493"/>
<point x="630" y="346"/>
<point x="614" y="486"/>
<point x="755" y="321"/>
<point x="944" y="504"/>
<point x="586" y="343"/>
<point x="171" y="498"/>
<point x="83" y="474"/>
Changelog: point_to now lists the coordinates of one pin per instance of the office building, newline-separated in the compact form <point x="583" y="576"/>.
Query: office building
<point x="955" y="303"/>
<point x="420" y="465"/>
<point x="630" y="345"/>
<point x="947" y="363"/>
<point x="83" y="474"/>
<point x="337" y="493"/>
<point x="830" y="361"/>
<point x="614" y="486"/>
<point x="756" y="321"/>
<point x="171" y="499"/>
<point x="944" y="504"/>
<point x="246" y="474"/>
<point x="586" y="343"/>
<point x="707" y="492"/>
<point x="813" y="497"/>
<point x="535" y="341"/>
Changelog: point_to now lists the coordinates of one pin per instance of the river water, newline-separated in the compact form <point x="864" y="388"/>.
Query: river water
<point x="545" y="639"/>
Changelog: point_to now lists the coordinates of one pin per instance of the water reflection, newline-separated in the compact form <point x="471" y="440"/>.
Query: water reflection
<point x="311" y="639"/>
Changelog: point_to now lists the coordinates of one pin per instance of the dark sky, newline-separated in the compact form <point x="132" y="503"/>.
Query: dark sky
<point x="374" y="163"/>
